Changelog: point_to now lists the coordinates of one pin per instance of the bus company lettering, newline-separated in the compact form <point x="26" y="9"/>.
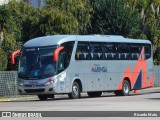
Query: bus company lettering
<point x="98" y="68"/>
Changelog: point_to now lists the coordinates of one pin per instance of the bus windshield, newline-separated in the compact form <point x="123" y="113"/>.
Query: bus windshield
<point x="37" y="63"/>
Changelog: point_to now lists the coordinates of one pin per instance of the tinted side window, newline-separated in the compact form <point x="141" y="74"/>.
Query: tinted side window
<point x="82" y="52"/>
<point x="68" y="48"/>
<point x="96" y="51"/>
<point x="123" y="51"/>
<point x="135" y="51"/>
<point x="147" y="51"/>
<point x="110" y="51"/>
<point x="61" y="61"/>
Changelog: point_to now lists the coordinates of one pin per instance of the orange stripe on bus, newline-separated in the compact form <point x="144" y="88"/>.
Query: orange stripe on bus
<point x="140" y="65"/>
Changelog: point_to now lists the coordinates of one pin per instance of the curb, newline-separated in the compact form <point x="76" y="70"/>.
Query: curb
<point x="16" y="99"/>
<point x="4" y="100"/>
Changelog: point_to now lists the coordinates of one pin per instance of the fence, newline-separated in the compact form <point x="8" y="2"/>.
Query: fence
<point x="9" y="83"/>
<point x="157" y="75"/>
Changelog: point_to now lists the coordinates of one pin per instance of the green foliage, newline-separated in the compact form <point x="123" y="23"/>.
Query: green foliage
<point x="157" y="56"/>
<point x="152" y="30"/>
<point x="150" y="15"/>
<point x="76" y="14"/>
<point x="114" y="17"/>
<point x="3" y="60"/>
<point x="20" y="22"/>
<point x="58" y="17"/>
<point x="50" y="22"/>
<point x="12" y="16"/>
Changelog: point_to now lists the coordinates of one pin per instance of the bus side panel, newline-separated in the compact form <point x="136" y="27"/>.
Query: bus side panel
<point x="95" y="82"/>
<point x="111" y="80"/>
<point x="78" y="70"/>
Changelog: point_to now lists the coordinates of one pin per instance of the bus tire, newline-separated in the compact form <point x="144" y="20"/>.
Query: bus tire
<point x="94" y="94"/>
<point x="126" y="88"/>
<point x="75" y="94"/>
<point x="42" y="97"/>
<point x="117" y="93"/>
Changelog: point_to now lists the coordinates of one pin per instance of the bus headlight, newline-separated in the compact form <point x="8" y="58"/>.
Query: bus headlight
<point x="49" y="83"/>
<point x="59" y="78"/>
<point x="62" y="76"/>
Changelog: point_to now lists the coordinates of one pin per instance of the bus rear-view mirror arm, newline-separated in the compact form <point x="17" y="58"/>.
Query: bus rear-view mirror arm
<point x="13" y="56"/>
<point x="56" y="53"/>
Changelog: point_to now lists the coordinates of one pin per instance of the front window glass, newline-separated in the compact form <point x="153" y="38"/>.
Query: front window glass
<point x="37" y="63"/>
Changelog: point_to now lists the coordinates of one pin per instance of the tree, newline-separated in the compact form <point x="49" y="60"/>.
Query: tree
<point x="3" y="60"/>
<point x="12" y="15"/>
<point x="59" y="17"/>
<point x="114" y="17"/>
<point x="50" y="22"/>
<point x="150" y="14"/>
<point x="75" y="14"/>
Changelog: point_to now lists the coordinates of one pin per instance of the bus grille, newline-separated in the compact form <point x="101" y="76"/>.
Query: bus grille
<point x="34" y="90"/>
<point x="41" y="85"/>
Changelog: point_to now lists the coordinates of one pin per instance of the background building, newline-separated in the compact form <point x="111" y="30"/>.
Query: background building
<point x="36" y="3"/>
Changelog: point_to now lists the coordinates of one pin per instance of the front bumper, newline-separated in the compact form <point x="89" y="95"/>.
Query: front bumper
<point x="50" y="89"/>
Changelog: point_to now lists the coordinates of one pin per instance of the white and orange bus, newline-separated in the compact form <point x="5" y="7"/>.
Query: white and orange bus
<point x="71" y="64"/>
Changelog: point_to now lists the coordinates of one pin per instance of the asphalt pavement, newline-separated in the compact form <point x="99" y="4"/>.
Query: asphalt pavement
<point x="145" y="100"/>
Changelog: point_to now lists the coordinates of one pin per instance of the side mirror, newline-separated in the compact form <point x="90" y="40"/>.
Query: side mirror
<point x="56" y="53"/>
<point x="13" y="56"/>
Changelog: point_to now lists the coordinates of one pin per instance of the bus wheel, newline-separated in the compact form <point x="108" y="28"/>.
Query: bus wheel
<point x="42" y="97"/>
<point x="94" y="94"/>
<point x="75" y="94"/>
<point x="125" y="88"/>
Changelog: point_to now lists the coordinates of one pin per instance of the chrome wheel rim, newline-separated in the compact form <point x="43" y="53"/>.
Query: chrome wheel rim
<point x="126" y="88"/>
<point x="75" y="90"/>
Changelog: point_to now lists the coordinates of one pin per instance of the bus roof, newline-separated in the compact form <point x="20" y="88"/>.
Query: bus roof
<point x="58" y="39"/>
